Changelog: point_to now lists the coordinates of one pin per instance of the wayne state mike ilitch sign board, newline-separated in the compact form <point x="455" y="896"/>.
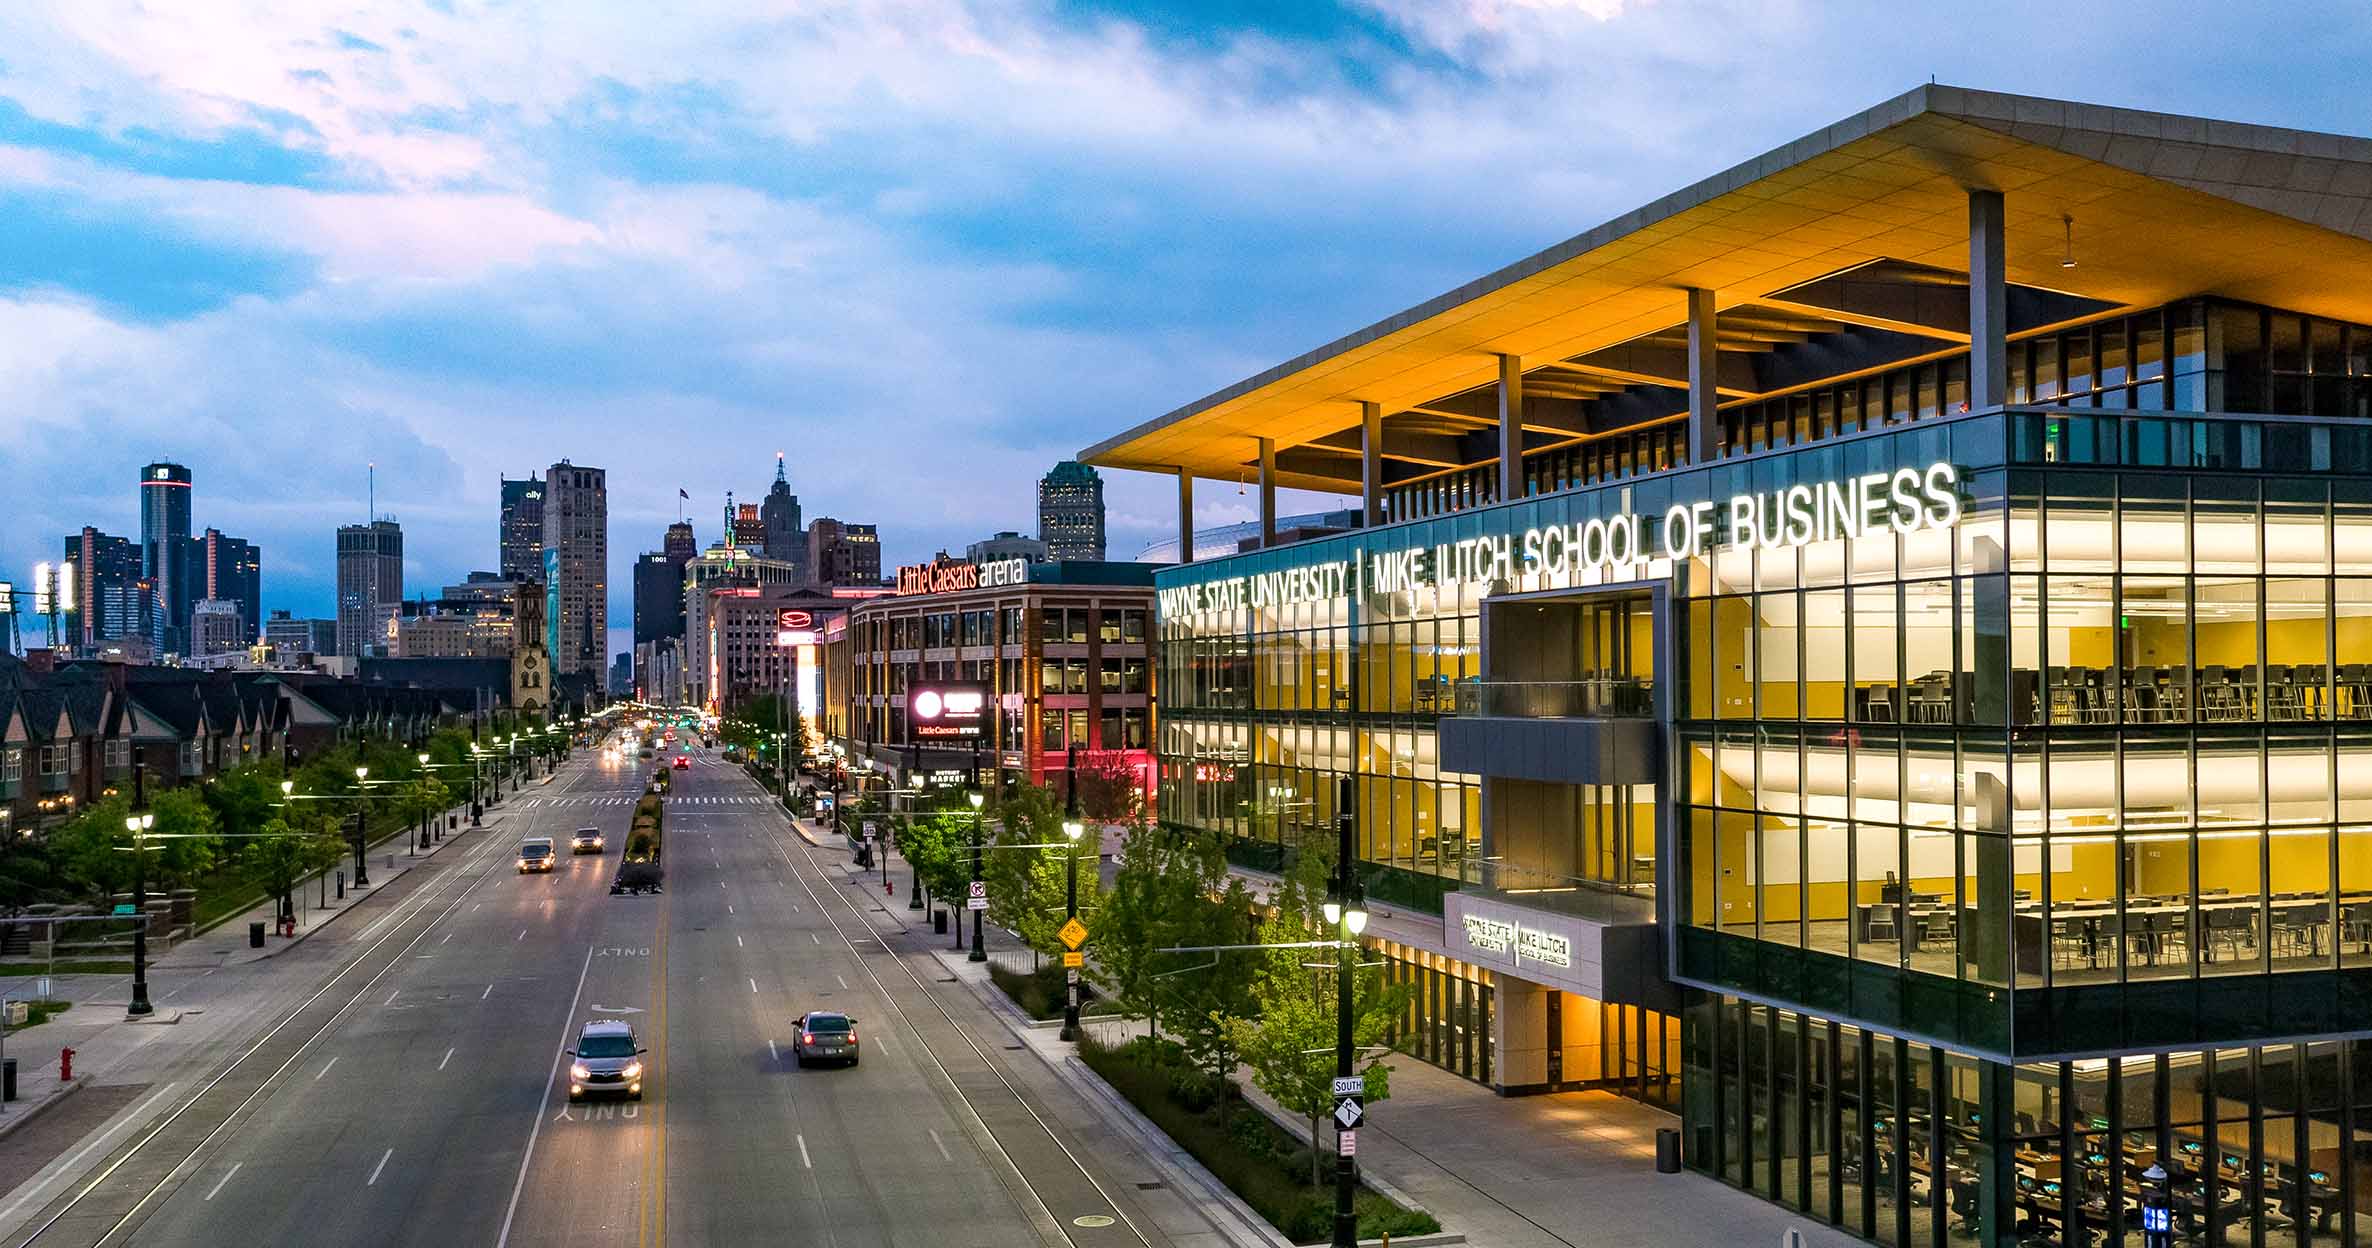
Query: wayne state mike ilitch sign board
<point x="1906" y="500"/>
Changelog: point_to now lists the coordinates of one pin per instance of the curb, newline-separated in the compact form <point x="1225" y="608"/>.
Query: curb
<point x="273" y="951"/>
<point x="16" y="1122"/>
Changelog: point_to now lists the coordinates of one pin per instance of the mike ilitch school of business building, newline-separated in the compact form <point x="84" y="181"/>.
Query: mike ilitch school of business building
<point x="1872" y="652"/>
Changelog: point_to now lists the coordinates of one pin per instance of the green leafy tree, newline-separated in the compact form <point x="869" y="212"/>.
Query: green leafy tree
<point x="93" y="851"/>
<point x="1172" y="890"/>
<point x="1027" y="880"/>
<point x="288" y="849"/>
<point x="1288" y="1040"/>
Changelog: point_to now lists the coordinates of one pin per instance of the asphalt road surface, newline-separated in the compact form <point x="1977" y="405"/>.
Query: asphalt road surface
<point x="420" y="1097"/>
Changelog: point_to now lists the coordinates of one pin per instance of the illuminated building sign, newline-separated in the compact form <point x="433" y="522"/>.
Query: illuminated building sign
<point x="1904" y="501"/>
<point x="790" y="618"/>
<point x="948" y="712"/>
<point x="1528" y="944"/>
<point x="946" y="576"/>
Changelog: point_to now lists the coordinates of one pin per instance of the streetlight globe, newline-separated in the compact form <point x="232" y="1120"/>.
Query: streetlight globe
<point x="132" y="823"/>
<point x="361" y="772"/>
<point x="1073" y="829"/>
<point x="287" y="787"/>
<point x="1333" y="913"/>
<point x="424" y="760"/>
<point x="977" y="799"/>
<point x="1356" y="920"/>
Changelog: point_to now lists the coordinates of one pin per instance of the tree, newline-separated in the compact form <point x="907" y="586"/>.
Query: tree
<point x="288" y="849"/>
<point x="1172" y="890"/>
<point x="92" y="851"/>
<point x="1289" y="1039"/>
<point x="1028" y="888"/>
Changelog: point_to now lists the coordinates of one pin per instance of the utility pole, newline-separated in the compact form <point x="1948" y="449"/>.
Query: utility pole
<point x="138" y="823"/>
<point x="361" y="846"/>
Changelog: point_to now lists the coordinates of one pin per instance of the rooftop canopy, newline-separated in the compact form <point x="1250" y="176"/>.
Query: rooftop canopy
<point x="1844" y="251"/>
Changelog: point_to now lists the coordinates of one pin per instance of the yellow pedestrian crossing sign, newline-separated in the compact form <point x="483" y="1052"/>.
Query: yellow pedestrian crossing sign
<point x="1073" y="933"/>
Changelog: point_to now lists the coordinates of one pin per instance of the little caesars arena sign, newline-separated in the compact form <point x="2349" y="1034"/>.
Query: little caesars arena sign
<point x="1906" y="500"/>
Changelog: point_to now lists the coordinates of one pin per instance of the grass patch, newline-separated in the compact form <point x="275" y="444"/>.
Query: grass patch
<point x="39" y="1012"/>
<point x="1258" y="1160"/>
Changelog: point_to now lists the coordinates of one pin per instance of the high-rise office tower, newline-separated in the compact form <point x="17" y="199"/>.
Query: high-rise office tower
<point x="658" y="597"/>
<point x="370" y="580"/>
<point x="784" y="535"/>
<point x="164" y="552"/>
<point x="522" y="529"/>
<point x="576" y="568"/>
<point x="1071" y="512"/>
<point x="749" y="529"/>
<point x="234" y="572"/>
<point x="214" y="628"/>
<point x="112" y="599"/>
<point x="843" y="554"/>
<point x="680" y="545"/>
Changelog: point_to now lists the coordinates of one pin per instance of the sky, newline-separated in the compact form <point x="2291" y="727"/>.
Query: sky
<point x="925" y="248"/>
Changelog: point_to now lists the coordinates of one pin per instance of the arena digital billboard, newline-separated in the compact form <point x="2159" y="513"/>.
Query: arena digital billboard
<point x="948" y="711"/>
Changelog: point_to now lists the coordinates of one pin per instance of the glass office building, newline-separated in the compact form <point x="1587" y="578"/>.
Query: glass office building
<point x="1937" y="760"/>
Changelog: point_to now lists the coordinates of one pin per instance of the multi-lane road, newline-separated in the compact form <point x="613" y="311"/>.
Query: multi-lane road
<point x="420" y="1097"/>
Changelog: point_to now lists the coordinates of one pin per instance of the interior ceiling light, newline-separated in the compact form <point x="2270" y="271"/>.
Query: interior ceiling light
<point x="2067" y="261"/>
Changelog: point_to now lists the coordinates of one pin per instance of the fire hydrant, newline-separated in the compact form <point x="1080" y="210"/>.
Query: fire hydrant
<point x="886" y="890"/>
<point x="65" y="1065"/>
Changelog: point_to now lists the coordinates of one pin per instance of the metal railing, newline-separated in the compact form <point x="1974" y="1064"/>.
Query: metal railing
<point x="1595" y="698"/>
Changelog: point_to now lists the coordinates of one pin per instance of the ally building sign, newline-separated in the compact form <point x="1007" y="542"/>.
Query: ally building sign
<point x="1906" y="500"/>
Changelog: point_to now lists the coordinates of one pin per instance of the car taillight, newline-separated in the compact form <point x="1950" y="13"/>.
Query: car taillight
<point x="852" y="1037"/>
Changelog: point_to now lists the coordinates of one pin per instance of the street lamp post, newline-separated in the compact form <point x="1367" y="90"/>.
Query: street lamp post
<point x="1072" y="829"/>
<point x="362" y="854"/>
<point x="1345" y="907"/>
<point x="979" y="940"/>
<point x="138" y="823"/>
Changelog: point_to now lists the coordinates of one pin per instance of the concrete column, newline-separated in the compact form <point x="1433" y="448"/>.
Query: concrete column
<point x="1268" y="492"/>
<point x="1371" y="463"/>
<point x="1704" y="423"/>
<point x="1185" y="515"/>
<point x="1988" y="304"/>
<point x="1511" y="427"/>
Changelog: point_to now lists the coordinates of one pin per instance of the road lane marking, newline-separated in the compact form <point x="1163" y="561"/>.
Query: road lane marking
<point x="817" y="939"/>
<point x="488" y="993"/>
<point x="522" y="934"/>
<point x="943" y="1153"/>
<point x="373" y="1181"/>
<point x="567" y="1021"/>
<point x="738" y="941"/>
<point x="325" y="1070"/>
<point x="728" y="907"/>
<point x="753" y="983"/>
<point x="843" y="982"/>
<point x="446" y="1058"/>
<point x="804" y="1160"/>
<point x="226" y="1177"/>
<point x="393" y="995"/>
<point x="771" y="1051"/>
<point x="448" y="936"/>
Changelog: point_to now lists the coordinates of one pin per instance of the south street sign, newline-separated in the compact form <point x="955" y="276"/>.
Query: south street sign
<point x="1906" y="500"/>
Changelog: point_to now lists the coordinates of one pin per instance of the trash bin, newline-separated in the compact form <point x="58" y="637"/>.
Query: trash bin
<point x="1667" y="1150"/>
<point x="939" y="922"/>
<point x="255" y="934"/>
<point x="7" y="1078"/>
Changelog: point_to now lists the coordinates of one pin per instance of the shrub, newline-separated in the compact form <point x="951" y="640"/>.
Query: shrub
<point x="1257" y="1159"/>
<point x="1038" y="993"/>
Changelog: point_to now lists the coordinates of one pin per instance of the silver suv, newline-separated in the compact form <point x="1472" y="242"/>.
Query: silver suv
<point x="608" y="1062"/>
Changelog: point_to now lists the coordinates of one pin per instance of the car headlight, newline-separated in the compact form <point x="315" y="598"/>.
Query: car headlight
<point x="633" y="1070"/>
<point x="580" y="1072"/>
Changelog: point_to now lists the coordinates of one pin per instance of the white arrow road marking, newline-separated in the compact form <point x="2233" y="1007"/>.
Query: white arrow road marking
<point x="226" y="1177"/>
<point x="615" y="1009"/>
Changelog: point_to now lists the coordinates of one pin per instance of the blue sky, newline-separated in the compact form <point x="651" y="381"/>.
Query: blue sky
<point x="926" y="247"/>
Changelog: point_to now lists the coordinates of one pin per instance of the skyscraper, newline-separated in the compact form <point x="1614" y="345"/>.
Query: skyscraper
<point x="522" y="529"/>
<point x="113" y="600"/>
<point x="783" y="534"/>
<point x="658" y="597"/>
<point x="164" y="552"/>
<point x="749" y="529"/>
<point x="843" y="554"/>
<point x="234" y="572"/>
<point x="1071" y="512"/>
<point x="370" y="581"/>
<point x="576" y="564"/>
<point x="680" y="544"/>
